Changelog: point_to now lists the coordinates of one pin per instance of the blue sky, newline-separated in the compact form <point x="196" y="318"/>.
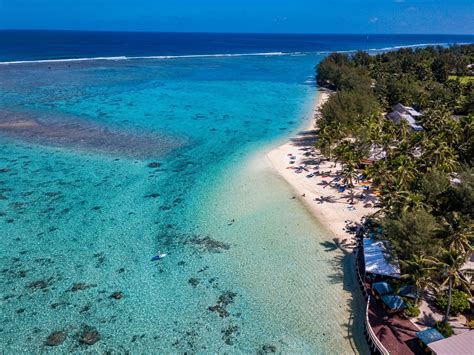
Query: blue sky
<point x="288" y="16"/>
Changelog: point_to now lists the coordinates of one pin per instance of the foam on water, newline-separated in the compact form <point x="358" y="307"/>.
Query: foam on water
<point x="218" y="55"/>
<point x="66" y="60"/>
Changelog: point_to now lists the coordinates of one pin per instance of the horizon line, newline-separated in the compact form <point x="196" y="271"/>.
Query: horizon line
<point x="250" y="33"/>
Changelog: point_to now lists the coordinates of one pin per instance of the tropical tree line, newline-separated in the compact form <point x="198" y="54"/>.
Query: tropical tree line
<point x="425" y="178"/>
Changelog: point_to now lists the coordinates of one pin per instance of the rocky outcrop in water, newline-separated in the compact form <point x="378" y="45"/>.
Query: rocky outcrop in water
<point x="194" y="281"/>
<point x="88" y="335"/>
<point x="267" y="349"/>
<point x="56" y="338"/>
<point x="210" y="245"/>
<point x="154" y="165"/>
<point x="80" y="286"/>
<point x="223" y="301"/>
<point x="40" y="284"/>
<point x="116" y="295"/>
<point x="152" y="195"/>
<point x="228" y="334"/>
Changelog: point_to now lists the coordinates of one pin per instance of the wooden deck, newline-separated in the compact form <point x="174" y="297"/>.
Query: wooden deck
<point x="397" y="334"/>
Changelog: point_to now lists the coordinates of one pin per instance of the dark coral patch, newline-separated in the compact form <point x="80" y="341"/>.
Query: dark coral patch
<point x="228" y="334"/>
<point x="154" y="165"/>
<point x="56" y="338"/>
<point x="267" y="349"/>
<point x="210" y="245"/>
<point x="153" y="195"/>
<point x="117" y="295"/>
<point x="40" y="284"/>
<point x="194" y="281"/>
<point x="223" y="301"/>
<point x="80" y="286"/>
<point x="88" y="335"/>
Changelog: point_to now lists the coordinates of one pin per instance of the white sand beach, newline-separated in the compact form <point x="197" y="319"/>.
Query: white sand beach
<point x="327" y="204"/>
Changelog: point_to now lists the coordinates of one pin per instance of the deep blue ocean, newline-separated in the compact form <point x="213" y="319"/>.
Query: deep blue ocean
<point x="31" y="45"/>
<point x="105" y="162"/>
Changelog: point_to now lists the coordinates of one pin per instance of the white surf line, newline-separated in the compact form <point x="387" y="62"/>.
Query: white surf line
<point x="118" y="58"/>
<point x="386" y="49"/>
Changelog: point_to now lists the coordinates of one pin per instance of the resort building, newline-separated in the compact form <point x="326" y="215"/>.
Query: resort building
<point x="470" y="67"/>
<point x="376" y="153"/>
<point x="387" y="330"/>
<point x="405" y="113"/>
<point x="459" y="344"/>
<point x="377" y="259"/>
<point x="469" y="265"/>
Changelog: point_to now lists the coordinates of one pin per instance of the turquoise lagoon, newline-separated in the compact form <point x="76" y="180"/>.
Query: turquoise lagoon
<point x="103" y="164"/>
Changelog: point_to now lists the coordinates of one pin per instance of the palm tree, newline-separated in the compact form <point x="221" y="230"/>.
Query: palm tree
<point x="396" y="197"/>
<point x="438" y="154"/>
<point x="417" y="271"/>
<point x="452" y="132"/>
<point x="457" y="233"/>
<point x="349" y="175"/>
<point x="465" y="145"/>
<point x="404" y="170"/>
<point x="324" y="144"/>
<point x="449" y="272"/>
<point x="326" y="138"/>
<point x="349" y="154"/>
<point x="374" y="131"/>
<point x="388" y="137"/>
<point x="404" y="131"/>
<point x="414" y="201"/>
<point x="391" y="199"/>
<point x="377" y="172"/>
<point x="436" y="119"/>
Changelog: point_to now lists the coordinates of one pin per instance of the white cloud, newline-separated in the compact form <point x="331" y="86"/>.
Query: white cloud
<point x="373" y="19"/>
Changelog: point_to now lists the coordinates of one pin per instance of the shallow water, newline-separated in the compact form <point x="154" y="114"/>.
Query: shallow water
<point x="173" y="164"/>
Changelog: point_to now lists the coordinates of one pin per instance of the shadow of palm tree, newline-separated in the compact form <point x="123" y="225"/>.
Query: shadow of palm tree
<point x="311" y="132"/>
<point x="329" y="246"/>
<point x="324" y="183"/>
<point x="311" y="161"/>
<point x="371" y="198"/>
<point x="344" y="265"/>
<point x="304" y="139"/>
<point x="427" y="319"/>
<point x="353" y="227"/>
<point x="328" y="199"/>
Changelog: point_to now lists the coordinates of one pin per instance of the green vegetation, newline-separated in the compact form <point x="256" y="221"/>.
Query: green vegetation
<point x="426" y="178"/>
<point x="462" y="79"/>
<point x="459" y="302"/>
<point x="411" y="311"/>
<point x="444" y="328"/>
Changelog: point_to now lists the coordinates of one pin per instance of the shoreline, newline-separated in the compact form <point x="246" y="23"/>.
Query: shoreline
<point x="329" y="206"/>
<point x="333" y="214"/>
